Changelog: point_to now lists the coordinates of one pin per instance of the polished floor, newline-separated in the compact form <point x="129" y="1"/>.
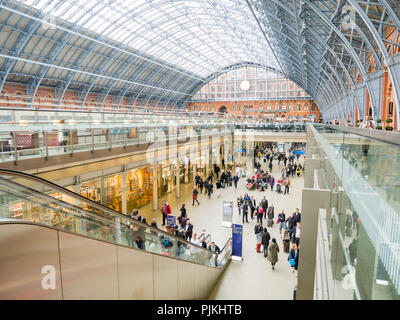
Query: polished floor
<point x="253" y="278"/>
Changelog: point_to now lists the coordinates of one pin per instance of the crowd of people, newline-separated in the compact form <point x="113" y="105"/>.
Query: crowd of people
<point x="137" y="237"/>
<point x="262" y="212"/>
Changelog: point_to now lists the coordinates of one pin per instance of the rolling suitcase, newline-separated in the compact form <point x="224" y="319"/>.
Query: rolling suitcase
<point x="286" y="234"/>
<point x="258" y="247"/>
<point x="270" y="223"/>
<point x="286" y="245"/>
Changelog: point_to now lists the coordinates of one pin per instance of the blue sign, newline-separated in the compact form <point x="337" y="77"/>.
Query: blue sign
<point x="171" y="220"/>
<point x="240" y="150"/>
<point x="237" y="240"/>
<point x="300" y="152"/>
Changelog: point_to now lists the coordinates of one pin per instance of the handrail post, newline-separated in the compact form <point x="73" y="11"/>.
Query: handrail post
<point x="70" y="142"/>
<point x="46" y="145"/>
<point x="92" y="134"/>
<point x="14" y="139"/>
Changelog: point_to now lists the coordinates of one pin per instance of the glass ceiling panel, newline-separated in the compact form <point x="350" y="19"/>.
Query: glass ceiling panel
<point x="201" y="36"/>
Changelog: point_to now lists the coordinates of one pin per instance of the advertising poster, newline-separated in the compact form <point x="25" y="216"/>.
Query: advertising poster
<point x="237" y="242"/>
<point x="227" y="213"/>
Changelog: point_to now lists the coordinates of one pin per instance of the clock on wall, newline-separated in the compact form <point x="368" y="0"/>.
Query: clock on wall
<point x="245" y="85"/>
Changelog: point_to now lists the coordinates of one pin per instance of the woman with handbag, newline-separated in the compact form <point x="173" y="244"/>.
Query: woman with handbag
<point x="293" y="258"/>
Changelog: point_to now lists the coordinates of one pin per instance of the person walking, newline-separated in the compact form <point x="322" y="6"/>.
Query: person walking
<point x="297" y="215"/>
<point x="188" y="230"/>
<point x="209" y="189"/>
<point x="281" y="220"/>
<point x="298" y="170"/>
<point x="264" y="204"/>
<point x="257" y="231"/>
<point x="253" y="206"/>
<point x="271" y="214"/>
<point x="219" y="186"/>
<point x="240" y="203"/>
<point x="265" y="237"/>
<point x="197" y="179"/>
<point x="245" y="209"/>
<point x="286" y="183"/>
<point x="201" y="185"/>
<point x="235" y="180"/>
<point x="165" y="210"/>
<point x="296" y="235"/>
<point x="291" y="223"/>
<point x="259" y="213"/>
<point x="183" y="210"/>
<point x="273" y="253"/>
<point x="194" y="196"/>
<point x="293" y="258"/>
<point x="272" y="182"/>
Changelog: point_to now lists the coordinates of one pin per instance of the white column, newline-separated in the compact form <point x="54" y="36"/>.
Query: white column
<point x="178" y="180"/>
<point x="194" y="171"/>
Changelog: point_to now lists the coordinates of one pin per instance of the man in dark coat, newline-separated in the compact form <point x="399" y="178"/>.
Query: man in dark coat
<point x="265" y="237"/>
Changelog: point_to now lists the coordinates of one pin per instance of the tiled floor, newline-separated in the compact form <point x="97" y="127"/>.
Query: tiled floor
<point x="252" y="278"/>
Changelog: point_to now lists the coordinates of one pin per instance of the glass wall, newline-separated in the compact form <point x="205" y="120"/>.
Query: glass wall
<point x="364" y="232"/>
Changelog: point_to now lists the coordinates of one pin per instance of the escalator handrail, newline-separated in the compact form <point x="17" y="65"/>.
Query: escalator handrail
<point x="92" y="203"/>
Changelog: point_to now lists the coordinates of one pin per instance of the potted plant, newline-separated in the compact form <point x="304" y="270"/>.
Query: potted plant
<point x="378" y="127"/>
<point x="389" y="127"/>
<point x="378" y="120"/>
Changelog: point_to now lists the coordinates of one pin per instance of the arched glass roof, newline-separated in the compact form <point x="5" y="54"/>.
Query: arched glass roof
<point x="200" y="36"/>
<point x="162" y="51"/>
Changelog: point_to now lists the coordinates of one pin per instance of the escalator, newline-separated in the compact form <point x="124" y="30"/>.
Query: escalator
<point x="56" y="244"/>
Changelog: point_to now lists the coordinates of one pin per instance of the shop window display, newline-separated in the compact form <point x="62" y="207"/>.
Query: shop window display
<point x="91" y="190"/>
<point x="139" y="187"/>
<point x="113" y="192"/>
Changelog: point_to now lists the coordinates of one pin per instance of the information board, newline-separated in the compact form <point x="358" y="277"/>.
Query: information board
<point x="227" y="212"/>
<point x="237" y="242"/>
<point x="171" y="220"/>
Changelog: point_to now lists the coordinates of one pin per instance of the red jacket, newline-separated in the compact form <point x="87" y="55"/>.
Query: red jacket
<point x="167" y="209"/>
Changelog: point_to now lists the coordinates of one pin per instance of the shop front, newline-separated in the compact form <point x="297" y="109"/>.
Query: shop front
<point x="166" y="177"/>
<point x="113" y="192"/>
<point x="139" y="187"/>
<point x="91" y="190"/>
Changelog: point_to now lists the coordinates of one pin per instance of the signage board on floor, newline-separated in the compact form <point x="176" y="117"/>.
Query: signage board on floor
<point x="171" y="220"/>
<point x="237" y="242"/>
<point x="227" y="213"/>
